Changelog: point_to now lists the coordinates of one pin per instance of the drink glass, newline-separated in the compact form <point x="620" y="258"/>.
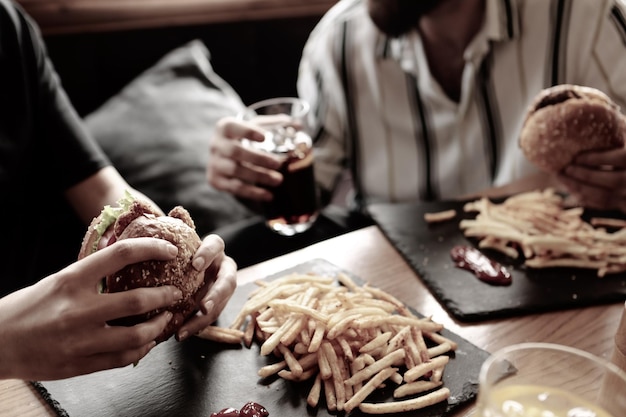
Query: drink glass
<point x="295" y="206"/>
<point x="549" y="380"/>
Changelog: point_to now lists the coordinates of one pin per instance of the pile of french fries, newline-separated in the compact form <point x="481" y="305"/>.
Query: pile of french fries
<point x="538" y="226"/>
<point x="350" y="340"/>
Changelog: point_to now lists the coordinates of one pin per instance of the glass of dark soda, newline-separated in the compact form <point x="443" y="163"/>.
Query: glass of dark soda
<point x="295" y="205"/>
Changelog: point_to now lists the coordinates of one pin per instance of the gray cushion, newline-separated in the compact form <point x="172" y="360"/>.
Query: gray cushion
<point x="157" y="130"/>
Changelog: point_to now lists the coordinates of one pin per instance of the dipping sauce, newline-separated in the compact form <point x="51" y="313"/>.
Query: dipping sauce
<point x="250" y="409"/>
<point x="487" y="270"/>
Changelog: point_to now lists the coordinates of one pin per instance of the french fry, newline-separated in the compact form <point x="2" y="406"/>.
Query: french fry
<point x="350" y="340"/>
<point x="347" y="282"/>
<point x="538" y="226"/>
<point x="314" y="393"/>
<point x="345" y="348"/>
<point x="336" y="374"/>
<point x="399" y="339"/>
<point x="302" y="376"/>
<point x="329" y="392"/>
<point x="422" y="369"/>
<point x="502" y="246"/>
<point x="298" y="324"/>
<point x="412" y="355"/>
<point x="439" y="350"/>
<point x="421" y="345"/>
<point x="440" y="340"/>
<point x="248" y="333"/>
<point x="345" y="374"/>
<point x="396" y="378"/>
<point x="407" y="405"/>
<point x="318" y="336"/>
<point x="416" y="387"/>
<point x="385" y="362"/>
<point x="437" y="375"/>
<point x="607" y="222"/>
<point x="272" y="369"/>
<point x="324" y="365"/>
<point x="368" y="388"/>
<point x="440" y="216"/>
<point x="308" y="361"/>
<point x="294" y="366"/>
<point x="221" y="335"/>
<point x="298" y="308"/>
<point x="378" y="342"/>
<point x="356" y="366"/>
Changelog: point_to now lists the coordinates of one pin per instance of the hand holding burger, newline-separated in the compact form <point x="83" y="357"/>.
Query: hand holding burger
<point x="136" y="218"/>
<point x="59" y="327"/>
<point x="579" y="134"/>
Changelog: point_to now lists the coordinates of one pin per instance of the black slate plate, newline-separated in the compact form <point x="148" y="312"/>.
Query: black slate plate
<point x="198" y="377"/>
<point x="427" y="249"/>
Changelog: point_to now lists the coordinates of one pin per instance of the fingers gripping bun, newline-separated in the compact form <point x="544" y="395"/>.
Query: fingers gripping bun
<point x="565" y="120"/>
<point x="140" y="220"/>
<point x="178" y="228"/>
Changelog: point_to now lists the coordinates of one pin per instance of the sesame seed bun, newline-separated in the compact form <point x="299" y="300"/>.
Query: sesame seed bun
<point x="140" y="220"/>
<point x="566" y="120"/>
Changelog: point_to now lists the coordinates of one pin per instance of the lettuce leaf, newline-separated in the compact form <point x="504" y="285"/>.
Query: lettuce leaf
<point x="110" y="214"/>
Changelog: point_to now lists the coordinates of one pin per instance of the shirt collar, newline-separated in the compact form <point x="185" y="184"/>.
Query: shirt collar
<point x="501" y="24"/>
<point x="501" y="21"/>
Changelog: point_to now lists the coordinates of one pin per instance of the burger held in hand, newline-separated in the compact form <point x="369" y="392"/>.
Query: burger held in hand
<point x="566" y="120"/>
<point x="136" y="218"/>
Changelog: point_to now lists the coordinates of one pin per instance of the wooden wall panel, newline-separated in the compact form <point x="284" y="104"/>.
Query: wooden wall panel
<point x="74" y="16"/>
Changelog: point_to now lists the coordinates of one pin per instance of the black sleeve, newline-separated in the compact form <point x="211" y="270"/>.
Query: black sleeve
<point x="44" y="150"/>
<point x="37" y="120"/>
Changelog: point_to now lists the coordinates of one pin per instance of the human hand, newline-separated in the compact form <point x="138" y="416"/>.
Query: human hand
<point x="58" y="327"/>
<point x="240" y="170"/>
<point x="220" y="281"/>
<point x="598" y="179"/>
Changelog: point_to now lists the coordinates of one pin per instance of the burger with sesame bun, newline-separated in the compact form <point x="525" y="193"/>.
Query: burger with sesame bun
<point x="136" y="218"/>
<point x="566" y="120"/>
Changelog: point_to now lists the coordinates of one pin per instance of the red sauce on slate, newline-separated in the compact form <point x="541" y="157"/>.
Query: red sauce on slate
<point x="226" y="412"/>
<point x="250" y="409"/>
<point x="487" y="270"/>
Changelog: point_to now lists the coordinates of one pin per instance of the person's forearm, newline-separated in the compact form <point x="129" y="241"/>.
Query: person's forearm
<point x="104" y="187"/>
<point x="7" y="340"/>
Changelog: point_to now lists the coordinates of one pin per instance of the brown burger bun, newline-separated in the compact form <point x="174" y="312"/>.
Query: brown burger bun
<point x="564" y="121"/>
<point x="140" y="220"/>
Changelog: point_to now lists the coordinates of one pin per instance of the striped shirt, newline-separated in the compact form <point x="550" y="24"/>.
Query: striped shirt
<point x="378" y="111"/>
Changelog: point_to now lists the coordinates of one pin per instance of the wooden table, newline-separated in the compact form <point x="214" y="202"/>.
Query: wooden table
<point x="367" y="254"/>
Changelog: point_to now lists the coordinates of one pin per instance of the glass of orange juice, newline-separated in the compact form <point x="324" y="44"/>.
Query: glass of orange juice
<point x="549" y="380"/>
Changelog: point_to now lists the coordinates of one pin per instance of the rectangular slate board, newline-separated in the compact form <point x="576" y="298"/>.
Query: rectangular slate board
<point x="426" y="247"/>
<point x="197" y="377"/>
